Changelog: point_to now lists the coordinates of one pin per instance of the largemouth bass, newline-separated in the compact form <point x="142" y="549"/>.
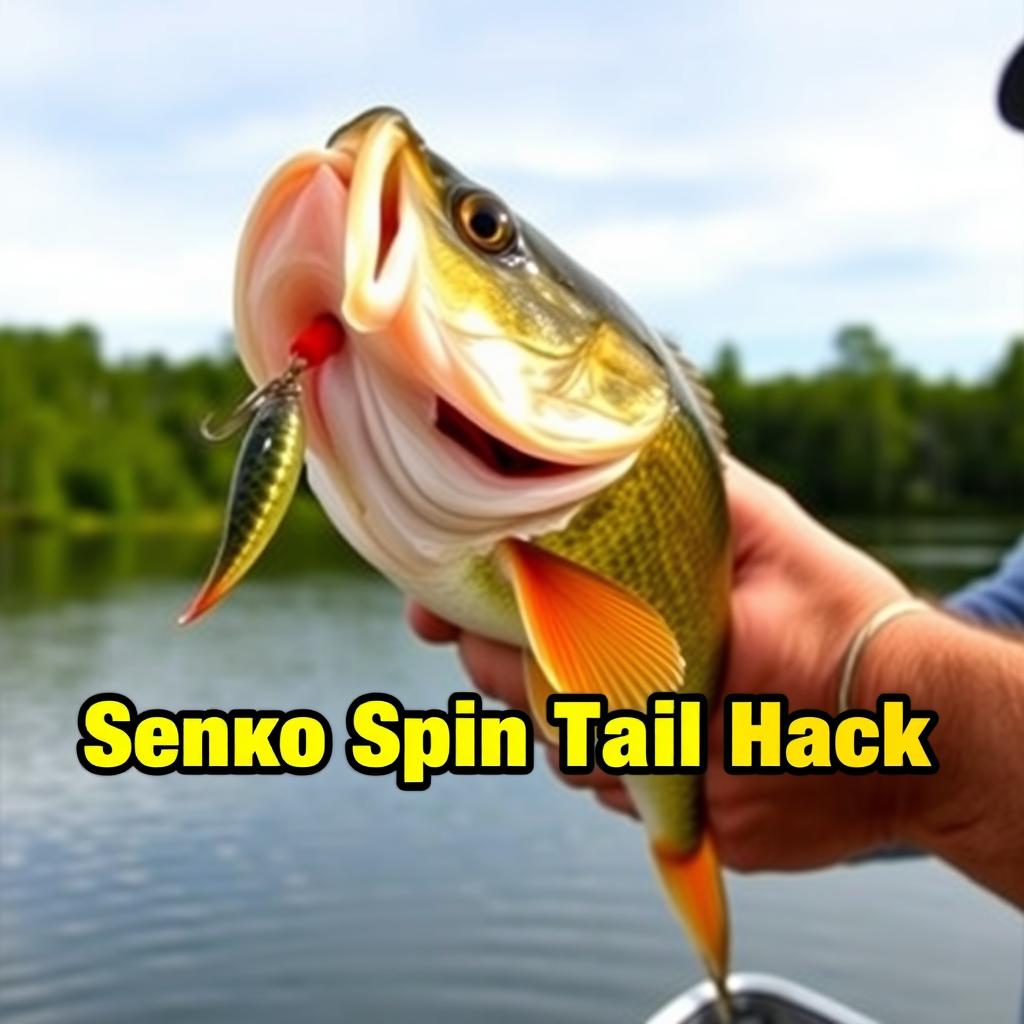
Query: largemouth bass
<point x="502" y="436"/>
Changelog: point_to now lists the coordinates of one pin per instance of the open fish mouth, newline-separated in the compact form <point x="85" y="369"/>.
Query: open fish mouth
<point x="335" y="232"/>
<point x="497" y="455"/>
<point x="297" y="272"/>
<point x="364" y="230"/>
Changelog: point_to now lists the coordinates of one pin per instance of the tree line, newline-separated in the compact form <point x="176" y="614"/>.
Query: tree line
<point x="83" y="436"/>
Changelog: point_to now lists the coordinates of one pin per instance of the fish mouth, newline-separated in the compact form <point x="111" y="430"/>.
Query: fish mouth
<point x="335" y="232"/>
<point x="497" y="455"/>
<point x="339" y="231"/>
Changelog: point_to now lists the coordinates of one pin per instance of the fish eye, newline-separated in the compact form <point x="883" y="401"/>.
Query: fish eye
<point x="484" y="221"/>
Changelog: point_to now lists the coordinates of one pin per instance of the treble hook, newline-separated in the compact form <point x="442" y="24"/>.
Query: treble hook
<point x="245" y="409"/>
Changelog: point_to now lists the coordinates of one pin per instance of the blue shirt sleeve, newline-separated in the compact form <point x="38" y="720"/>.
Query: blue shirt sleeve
<point x="996" y="600"/>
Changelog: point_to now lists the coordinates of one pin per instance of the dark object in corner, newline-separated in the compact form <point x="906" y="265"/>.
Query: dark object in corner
<point x="1011" y="90"/>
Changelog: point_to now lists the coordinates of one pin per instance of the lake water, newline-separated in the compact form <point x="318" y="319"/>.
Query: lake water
<point x="336" y="897"/>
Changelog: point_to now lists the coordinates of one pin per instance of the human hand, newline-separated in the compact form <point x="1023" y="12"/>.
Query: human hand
<point x="799" y="595"/>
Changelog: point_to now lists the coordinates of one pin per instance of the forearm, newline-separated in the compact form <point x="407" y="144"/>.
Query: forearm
<point x="971" y="811"/>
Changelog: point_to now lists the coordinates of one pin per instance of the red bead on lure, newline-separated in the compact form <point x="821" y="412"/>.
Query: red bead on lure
<point x="321" y="339"/>
<point x="269" y="463"/>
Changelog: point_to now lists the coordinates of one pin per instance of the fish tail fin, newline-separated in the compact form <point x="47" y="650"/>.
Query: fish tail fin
<point x="693" y="882"/>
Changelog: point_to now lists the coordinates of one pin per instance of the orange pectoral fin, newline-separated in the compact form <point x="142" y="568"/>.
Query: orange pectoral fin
<point x="589" y="634"/>
<point x="538" y="689"/>
<point x="693" y="882"/>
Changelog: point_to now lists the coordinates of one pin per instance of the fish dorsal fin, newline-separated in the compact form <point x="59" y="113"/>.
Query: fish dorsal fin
<point x="589" y="634"/>
<point x="707" y="408"/>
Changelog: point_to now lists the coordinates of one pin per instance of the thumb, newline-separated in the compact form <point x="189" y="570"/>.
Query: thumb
<point x="756" y="507"/>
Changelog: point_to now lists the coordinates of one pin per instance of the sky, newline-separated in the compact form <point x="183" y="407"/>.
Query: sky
<point x="763" y="172"/>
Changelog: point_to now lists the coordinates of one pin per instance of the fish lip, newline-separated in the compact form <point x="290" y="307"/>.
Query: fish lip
<point x="373" y="262"/>
<point x="380" y="237"/>
<point x="280" y="286"/>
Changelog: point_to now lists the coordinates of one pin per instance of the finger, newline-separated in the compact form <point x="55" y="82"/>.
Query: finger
<point x="733" y="804"/>
<point x="596" y="779"/>
<point x="754" y="503"/>
<point x="616" y="800"/>
<point x="723" y="791"/>
<point x="496" y="669"/>
<point x="428" y="626"/>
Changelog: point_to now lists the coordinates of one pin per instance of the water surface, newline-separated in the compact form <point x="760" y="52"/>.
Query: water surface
<point x="336" y="897"/>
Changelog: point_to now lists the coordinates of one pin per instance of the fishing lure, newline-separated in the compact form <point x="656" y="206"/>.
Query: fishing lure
<point x="268" y="466"/>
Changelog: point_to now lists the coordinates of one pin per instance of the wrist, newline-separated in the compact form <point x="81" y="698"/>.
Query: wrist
<point x="862" y="639"/>
<point x="965" y="675"/>
<point x="970" y="811"/>
<point x="899" y="660"/>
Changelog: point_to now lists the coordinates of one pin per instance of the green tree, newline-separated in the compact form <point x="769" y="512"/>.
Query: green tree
<point x="119" y="438"/>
